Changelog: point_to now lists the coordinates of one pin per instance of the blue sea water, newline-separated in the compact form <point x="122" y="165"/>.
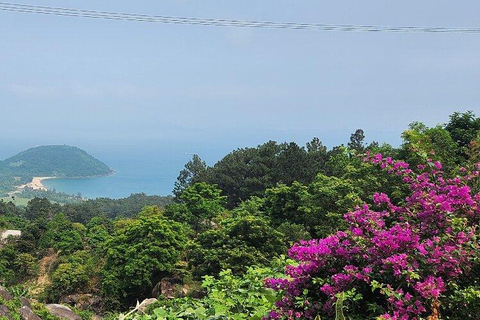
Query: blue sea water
<point x="138" y="169"/>
<point x="151" y="166"/>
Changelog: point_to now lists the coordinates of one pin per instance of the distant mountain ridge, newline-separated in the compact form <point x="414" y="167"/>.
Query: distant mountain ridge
<point x="51" y="161"/>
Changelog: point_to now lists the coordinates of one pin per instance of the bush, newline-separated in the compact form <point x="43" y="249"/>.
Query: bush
<point x="393" y="261"/>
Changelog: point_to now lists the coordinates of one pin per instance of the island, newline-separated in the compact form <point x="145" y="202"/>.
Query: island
<point x="28" y="168"/>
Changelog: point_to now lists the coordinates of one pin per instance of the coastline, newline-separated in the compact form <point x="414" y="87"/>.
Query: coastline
<point x="36" y="184"/>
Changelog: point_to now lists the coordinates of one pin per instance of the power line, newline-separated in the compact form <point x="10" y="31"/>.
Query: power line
<point x="68" y="12"/>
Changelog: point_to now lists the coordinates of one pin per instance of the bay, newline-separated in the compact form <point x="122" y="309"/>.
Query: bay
<point x="138" y="169"/>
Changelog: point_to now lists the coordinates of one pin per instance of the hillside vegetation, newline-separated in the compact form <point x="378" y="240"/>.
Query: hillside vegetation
<point x="280" y="231"/>
<point x="50" y="161"/>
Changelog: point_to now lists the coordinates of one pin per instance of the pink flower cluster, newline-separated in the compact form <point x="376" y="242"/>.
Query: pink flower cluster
<point x="402" y="257"/>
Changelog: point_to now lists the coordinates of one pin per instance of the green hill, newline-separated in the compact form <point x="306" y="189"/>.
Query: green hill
<point x="50" y="161"/>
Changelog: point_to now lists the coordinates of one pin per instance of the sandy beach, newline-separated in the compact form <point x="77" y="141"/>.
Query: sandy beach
<point x="36" y="184"/>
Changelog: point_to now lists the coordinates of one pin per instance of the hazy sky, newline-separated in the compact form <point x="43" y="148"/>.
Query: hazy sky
<point x="90" y="82"/>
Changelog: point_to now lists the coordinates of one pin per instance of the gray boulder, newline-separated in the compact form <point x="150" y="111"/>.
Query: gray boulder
<point x="4" y="294"/>
<point x="62" y="312"/>
<point x="84" y="302"/>
<point x="27" y="314"/>
<point x="144" y="305"/>
<point x="25" y="302"/>
<point x="4" y="312"/>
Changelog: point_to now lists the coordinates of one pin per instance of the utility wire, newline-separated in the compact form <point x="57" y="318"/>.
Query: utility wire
<point x="57" y="11"/>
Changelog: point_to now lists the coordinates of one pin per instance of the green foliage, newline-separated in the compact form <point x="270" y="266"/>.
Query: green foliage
<point x="317" y="207"/>
<point x="237" y="243"/>
<point x="139" y="253"/>
<point x="75" y="273"/>
<point x="227" y="297"/>
<point x="25" y="266"/>
<point x="422" y="143"/>
<point x="193" y="172"/>
<point x="10" y="216"/>
<point x="40" y="310"/>
<point x="68" y="278"/>
<point x="62" y="235"/>
<point x="50" y="161"/>
<point x="41" y="208"/>
<point x="97" y="235"/>
<point x="244" y="172"/>
<point x="203" y="203"/>
<point x="357" y="141"/>
<point x="463" y="128"/>
<point x="464" y="304"/>
<point x="113" y="208"/>
<point x="248" y="172"/>
<point x="15" y="304"/>
<point x="293" y="233"/>
<point x="52" y="195"/>
<point x="7" y="269"/>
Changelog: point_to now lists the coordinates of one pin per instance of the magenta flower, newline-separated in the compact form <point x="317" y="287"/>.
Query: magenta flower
<point x="401" y="257"/>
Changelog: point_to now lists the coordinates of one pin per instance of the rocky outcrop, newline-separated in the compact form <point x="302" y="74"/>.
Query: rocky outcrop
<point x="144" y="305"/>
<point x="4" y="312"/>
<point x="168" y="287"/>
<point x="62" y="312"/>
<point x="84" y="302"/>
<point x="10" y="233"/>
<point x="25" y="302"/>
<point x="27" y="314"/>
<point x="4" y="294"/>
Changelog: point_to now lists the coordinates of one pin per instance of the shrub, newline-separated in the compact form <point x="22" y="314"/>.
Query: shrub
<point x="394" y="261"/>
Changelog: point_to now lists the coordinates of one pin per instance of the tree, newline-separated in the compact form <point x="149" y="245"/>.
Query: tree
<point x="141" y="252"/>
<point x="245" y="172"/>
<point x="203" y="202"/>
<point x="68" y="278"/>
<point x="237" y="243"/>
<point x="394" y="261"/>
<point x="40" y="208"/>
<point x="357" y="141"/>
<point x="62" y="235"/>
<point x="193" y="172"/>
<point x="317" y="157"/>
<point x="292" y="164"/>
<point x="463" y="128"/>
<point x="25" y="266"/>
<point x="318" y="207"/>
<point x="422" y="143"/>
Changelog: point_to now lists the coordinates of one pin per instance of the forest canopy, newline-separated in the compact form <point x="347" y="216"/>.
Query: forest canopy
<point x="374" y="231"/>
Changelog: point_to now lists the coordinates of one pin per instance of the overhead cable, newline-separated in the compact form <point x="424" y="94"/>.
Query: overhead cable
<point x="69" y="12"/>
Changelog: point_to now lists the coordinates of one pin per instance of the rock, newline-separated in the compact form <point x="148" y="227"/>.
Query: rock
<point x="168" y="287"/>
<point x="4" y="312"/>
<point x="27" y="314"/>
<point x="84" y="302"/>
<point x="4" y="294"/>
<point x="25" y="302"/>
<point x="62" y="312"/>
<point x="10" y="233"/>
<point x="144" y="305"/>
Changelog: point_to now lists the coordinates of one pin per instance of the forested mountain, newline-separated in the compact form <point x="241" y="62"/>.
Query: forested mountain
<point x="375" y="232"/>
<point x="50" y="161"/>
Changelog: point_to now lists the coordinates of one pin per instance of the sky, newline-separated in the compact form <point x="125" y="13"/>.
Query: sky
<point x="97" y="83"/>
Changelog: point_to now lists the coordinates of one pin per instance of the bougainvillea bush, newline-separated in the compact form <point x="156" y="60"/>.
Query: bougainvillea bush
<point x="412" y="260"/>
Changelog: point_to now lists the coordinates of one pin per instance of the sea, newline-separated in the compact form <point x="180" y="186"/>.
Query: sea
<point x="137" y="169"/>
<point x="152" y="166"/>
